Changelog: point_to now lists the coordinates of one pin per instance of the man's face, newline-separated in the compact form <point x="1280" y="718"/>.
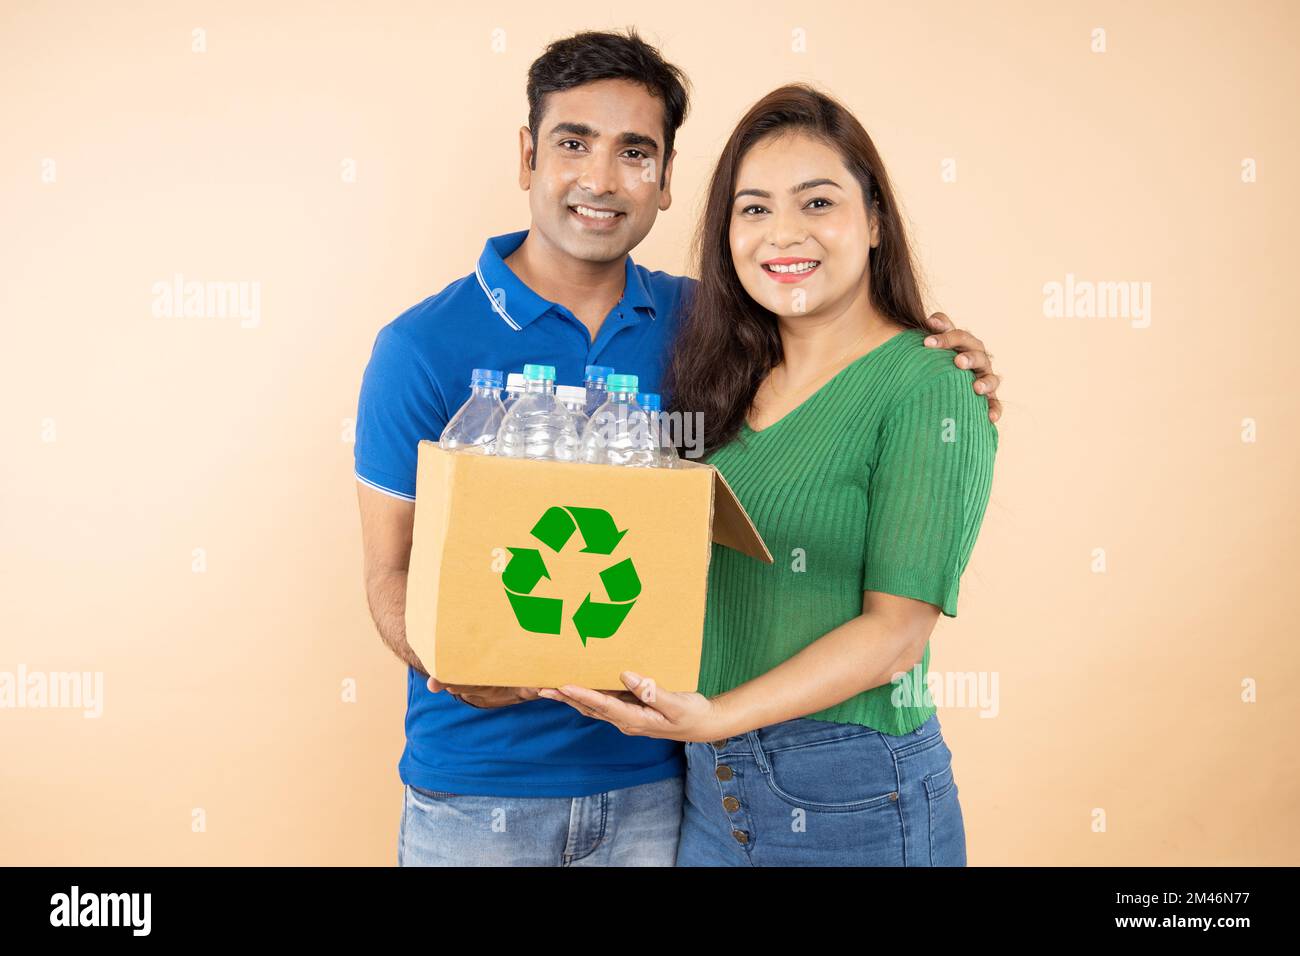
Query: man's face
<point x="596" y="186"/>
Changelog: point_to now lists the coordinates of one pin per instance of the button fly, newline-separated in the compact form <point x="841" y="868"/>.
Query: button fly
<point x="724" y="772"/>
<point x="730" y="804"/>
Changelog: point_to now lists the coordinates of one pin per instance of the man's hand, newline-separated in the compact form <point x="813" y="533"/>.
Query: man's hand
<point x="971" y="355"/>
<point x="484" y="697"/>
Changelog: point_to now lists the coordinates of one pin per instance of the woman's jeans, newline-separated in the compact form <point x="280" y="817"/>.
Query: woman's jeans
<point x="813" y="793"/>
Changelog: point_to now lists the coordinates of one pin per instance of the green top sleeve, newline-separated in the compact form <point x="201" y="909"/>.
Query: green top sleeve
<point x="928" y="489"/>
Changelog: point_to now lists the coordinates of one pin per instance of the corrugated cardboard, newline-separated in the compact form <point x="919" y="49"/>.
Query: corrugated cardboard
<point x="472" y="510"/>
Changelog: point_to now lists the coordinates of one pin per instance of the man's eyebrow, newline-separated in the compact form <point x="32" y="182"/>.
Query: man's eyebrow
<point x="639" y="139"/>
<point x="574" y="129"/>
<point x="810" y="184"/>
<point x="588" y="132"/>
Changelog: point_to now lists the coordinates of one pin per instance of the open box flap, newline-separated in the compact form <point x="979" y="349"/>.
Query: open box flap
<point x="731" y="525"/>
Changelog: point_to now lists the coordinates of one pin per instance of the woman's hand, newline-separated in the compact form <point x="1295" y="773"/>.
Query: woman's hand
<point x="647" y="711"/>
<point x="971" y="355"/>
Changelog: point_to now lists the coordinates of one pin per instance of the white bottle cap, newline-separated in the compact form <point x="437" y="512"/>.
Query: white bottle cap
<point x="571" y="393"/>
<point x="515" y="382"/>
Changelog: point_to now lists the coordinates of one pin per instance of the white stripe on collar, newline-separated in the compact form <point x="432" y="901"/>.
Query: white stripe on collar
<point x="496" y="306"/>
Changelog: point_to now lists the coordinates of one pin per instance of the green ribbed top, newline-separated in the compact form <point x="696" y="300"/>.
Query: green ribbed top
<point x="877" y="482"/>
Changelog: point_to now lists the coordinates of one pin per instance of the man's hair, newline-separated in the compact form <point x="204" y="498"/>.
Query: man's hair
<point x="588" y="57"/>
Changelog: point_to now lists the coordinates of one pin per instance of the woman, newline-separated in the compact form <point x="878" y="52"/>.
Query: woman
<point x="865" y="461"/>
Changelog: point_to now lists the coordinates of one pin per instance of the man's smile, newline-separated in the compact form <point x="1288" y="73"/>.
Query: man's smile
<point x="594" y="217"/>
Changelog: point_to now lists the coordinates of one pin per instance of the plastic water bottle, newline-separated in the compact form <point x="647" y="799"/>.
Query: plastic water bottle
<point x="514" y="388"/>
<point x="536" y="426"/>
<point x="573" y="398"/>
<point x="667" y="454"/>
<point x="619" y="432"/>
<point x="474" y="426"/>
<point x="597" y="376"/>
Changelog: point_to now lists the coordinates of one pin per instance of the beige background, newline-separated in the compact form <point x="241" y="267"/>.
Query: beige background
<point x="129" y="441"/>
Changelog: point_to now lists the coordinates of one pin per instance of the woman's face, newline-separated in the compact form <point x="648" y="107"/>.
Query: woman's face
<point x="800" y="234"/>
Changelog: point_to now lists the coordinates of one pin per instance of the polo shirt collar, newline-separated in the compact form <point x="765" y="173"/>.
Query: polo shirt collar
<point x="635" y="294"/>
<point x="519" y="305"/>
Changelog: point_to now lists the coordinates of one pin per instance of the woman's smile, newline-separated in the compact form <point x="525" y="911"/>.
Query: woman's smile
<point x="788" y="269"/>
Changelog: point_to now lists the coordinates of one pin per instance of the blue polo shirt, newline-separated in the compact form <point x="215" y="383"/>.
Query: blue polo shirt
<point x="417" y="377"/>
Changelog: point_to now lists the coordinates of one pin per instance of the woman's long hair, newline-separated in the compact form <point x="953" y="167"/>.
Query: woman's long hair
<point x="728" y="342"/>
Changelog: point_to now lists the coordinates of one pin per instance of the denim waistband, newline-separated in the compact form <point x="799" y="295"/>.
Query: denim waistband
<point x="806" y="732"/>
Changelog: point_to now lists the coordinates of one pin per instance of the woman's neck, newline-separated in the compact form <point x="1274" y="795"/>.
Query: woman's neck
<point x="815" y="348"/>
<point x="810" y="342"/>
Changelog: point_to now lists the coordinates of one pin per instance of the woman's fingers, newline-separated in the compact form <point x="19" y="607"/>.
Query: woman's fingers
<point x="643" y="687"/>
<point x="604" y="706"/>
<point x="626" y="716"/>
<point x="552" y="693"/>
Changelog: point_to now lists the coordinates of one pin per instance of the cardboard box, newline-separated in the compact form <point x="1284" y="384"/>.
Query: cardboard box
<point x="542" y="573"/>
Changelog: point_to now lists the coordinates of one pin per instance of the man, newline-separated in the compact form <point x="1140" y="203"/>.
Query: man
<point x="499" y="775"/>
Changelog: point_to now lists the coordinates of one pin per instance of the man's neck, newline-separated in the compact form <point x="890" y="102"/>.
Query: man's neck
<point x="587" y="289"/>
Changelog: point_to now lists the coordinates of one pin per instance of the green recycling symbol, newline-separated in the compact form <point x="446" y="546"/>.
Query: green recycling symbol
<point x="544" y="615"/>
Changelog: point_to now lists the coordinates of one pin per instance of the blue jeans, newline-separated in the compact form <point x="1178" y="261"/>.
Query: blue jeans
<point x="635" y="826"/>
<point x="813" y="793"/>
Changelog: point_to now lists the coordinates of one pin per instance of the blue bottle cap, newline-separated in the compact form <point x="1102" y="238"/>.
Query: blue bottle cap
<point x="649" y="401"/>
<point x="486" y="377"/>
<point x="621" y="383"/>
<point x="598" y="373"/>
